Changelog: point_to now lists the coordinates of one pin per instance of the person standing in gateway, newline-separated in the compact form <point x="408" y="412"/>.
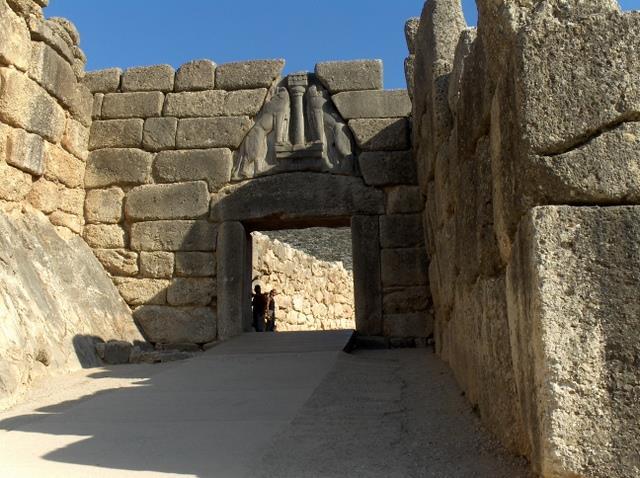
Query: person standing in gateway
<point x="259" y="307"/>
<point x="271" y="311"/>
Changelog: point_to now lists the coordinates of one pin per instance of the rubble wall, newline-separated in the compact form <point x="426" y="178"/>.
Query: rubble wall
<point x="537" y="107"/>
<point x="312" y="294"/>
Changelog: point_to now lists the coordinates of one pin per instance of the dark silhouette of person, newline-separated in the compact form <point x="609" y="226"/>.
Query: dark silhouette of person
<point x="259" y="306"/>
<point x="271" y="311"/>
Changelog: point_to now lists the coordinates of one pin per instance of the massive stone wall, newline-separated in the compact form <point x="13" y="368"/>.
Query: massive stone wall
<point x="312" y="294"/>
<point x="535" y="304"/>
<point x="176" y="153"/>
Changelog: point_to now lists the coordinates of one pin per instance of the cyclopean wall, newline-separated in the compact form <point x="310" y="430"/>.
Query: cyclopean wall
<point x="56" y="301"/>
<point x="527" y="145"/>
<point x="312" y="294"/>
<point x="180" y="158"/>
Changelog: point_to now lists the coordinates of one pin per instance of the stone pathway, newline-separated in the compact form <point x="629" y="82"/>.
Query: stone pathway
<point x="261" y="405"/>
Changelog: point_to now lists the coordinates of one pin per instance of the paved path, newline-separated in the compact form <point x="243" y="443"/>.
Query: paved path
<point x="262" y="405"/>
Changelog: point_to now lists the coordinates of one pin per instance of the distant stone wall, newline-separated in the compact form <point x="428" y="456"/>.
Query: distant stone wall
<point x="45" y="114"/>
<point x="313" y="294"/>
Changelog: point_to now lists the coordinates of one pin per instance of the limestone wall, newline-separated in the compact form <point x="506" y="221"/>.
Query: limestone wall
<point x="313" y="294"/>
<point x="45" y="113"/>
<point x="176" y="153"/>
<point x="538" y="107"/>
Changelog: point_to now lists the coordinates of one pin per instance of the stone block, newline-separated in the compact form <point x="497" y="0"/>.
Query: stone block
<point x="104" y="205"/>
<point x="173" y="325"/>
<point x="24" y="104"/>
<point x="409" y="73"/>
<point x="109" y="167"/>
<point x="100" y="236"/>
<point x="15" y="47"/>
<point x="388" y="168"/>
<point x="390" y="134"/>
<point x="167" y="201"/>
<point x="64" y="219"/>
<point x="103" y="81"/>
<point x="81" y="105"/>
<point x="404" y="199"/>
<point x="41" y="30"/>
<point x="248" y="74"/>
<point x="63" y="167"/>
<point x="120" y="133"/>
<point x="232" y="287"/>
<point x="157" y="265"/>
<point x="401" y="230"/>
<point x="211" y="165"/>
<point x="117" y="352"/>
<point x="43" y="195"/>
<point x="53" y="73"/>
<point x="76" y="139"/>
<point x="373" y="104"/>
<point x="404" y="267"/>
<point x="195" y="264"/>
<point x="418" y="324"/>
<point x="401" y="300"/>
<point x="573" y="317"/>
<point x="15" y="184"/>
<point x="132" y="105"/>
<point x="148" y="78"/>
<point x="244" y="102"/>
<point x="339" y="76"/>
<point x="25" y="151"/>
<point x="183" y="291"/>
<point x="142" y="291"/>
<point x="224" y="132"/>
<point x="173" y="236"/>
<point x="410" y="33"/>
<point x="159" y="134"/>
<point x="118" y="262"/>
<point x="195" y="76"/>
<point x="71" y="200"/>
<point x="195" y="104"/>
<point x="96" y="109"/>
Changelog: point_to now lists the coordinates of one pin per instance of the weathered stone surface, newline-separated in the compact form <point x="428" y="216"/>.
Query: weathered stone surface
<point x="381" y="134"/>
<point x="53" y="73"/>
<point x="120" y="133"/>
<point x="118" y="262"/>
<point x="195" y="264"/>
<point x="103" y="81"/>
<point x="76" y="139"/>
<point x="410" y="33"/>
<point x="148" y="78"/>
<point x="63" y="167"/>
<point x="248" y="74"/>
<point x="231" y="286"/>
<point x="96" y="109"/>
<point x="44" y="31"/>
<point x="15" y="47"/>
<point x="15" y="184"/>
<point x="373" y="104"/>
<point x="167" y="201"/>
<point x="302" y="197"/>
<point x="117" y="352"/>
<point x="223" y="132"/>
<point x="81" y="105"/>
<point x="34" y="260"/>
<point x="419" y="324"/>
<point x="44" y="195"/>
<point x="409" y="73"/>
<point x="71" y="201"/>
<point x="25" y="151"/>
<point x="405" y="299"/>
<point x="26" y="105"/>
<point x="244" y="102"/>
<point x="173" y="236"/>
<point x="388" y="168"/>
<point x="196" y="75"/>
<point x="573" y="317"/>
<point x="100" y="236"/>
<point x="339" y="76"/>
<point x="183" y="291"/>
<point x="142" y="291"/>
<point x="211" y="165"/>
<point x="401" y="230"/>
<point x="404" y="199"/>
<point x="64" y="219"/>
<point x="132" y="105"/>
<point x="198" y="104"/>
<point x="157" y="265"/>
<point x="159" y="134"/>
<point x="173" y="325"/>
<point x="365" y="236"/>
<point x="118" y="167"/>
<point x="104" y="205"/>
<point x="403" y="267"/>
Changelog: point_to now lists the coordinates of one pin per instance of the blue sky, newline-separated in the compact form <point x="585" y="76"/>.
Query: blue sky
<point x="129" y="33"/>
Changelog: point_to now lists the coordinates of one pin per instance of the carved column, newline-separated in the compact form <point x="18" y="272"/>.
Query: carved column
<point x="298" y="86"/>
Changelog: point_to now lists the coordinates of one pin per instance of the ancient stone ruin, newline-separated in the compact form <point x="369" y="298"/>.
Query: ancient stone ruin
<point x="493" y="207"/>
